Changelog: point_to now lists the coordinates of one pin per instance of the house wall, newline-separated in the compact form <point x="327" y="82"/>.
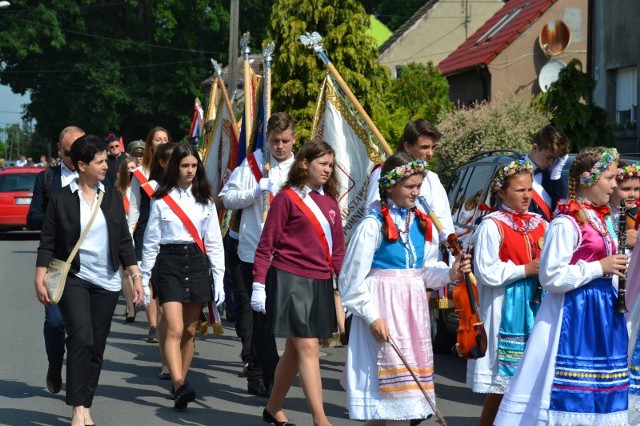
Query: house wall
<point x="615" y="44"/>
<point x="515" y="70"/>
<point x="439" y="32"/>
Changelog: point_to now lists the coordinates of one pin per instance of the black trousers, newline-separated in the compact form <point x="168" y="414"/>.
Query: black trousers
<point x="264" y="352"/>
<point x="242" y="305"/>
<point x="87" y="311"/>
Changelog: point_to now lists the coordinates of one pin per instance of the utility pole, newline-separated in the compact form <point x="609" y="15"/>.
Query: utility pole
<point x="232" y="77"/>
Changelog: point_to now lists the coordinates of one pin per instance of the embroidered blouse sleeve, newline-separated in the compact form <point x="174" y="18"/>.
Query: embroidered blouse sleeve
<point x="556" y="274"/>
<point x="354" y="290"/>
<point x="489" y="269"/>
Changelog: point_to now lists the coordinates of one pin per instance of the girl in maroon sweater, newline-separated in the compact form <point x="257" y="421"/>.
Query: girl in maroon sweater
<point x="301" y="247"/>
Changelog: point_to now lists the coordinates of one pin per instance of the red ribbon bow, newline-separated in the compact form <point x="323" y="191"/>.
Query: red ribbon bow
<point x="392" y="229"/>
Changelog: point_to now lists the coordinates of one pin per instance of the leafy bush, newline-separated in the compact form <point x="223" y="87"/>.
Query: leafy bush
<point x="501" y="124"/>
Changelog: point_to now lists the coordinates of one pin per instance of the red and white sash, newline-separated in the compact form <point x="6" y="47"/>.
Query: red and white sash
<point x="318" y="221"/>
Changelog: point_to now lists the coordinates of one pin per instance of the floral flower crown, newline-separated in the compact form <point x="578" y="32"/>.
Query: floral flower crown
<point x="516" y="166"/>
<point x="608" y="156"/>
<point x="626" y="172"/>
<point x="401" y="172"/>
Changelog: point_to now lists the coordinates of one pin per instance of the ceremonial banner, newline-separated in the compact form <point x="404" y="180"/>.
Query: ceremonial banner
<point x="197" y="122"/>
<point x="356" y="154"/>
<point x="245" y="146"/>
<point x="221" y="153"/>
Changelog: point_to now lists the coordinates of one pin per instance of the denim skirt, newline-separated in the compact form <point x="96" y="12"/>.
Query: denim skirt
<point x="183" y="274"/>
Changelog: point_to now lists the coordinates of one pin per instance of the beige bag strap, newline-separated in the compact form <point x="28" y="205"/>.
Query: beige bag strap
<point x="86" y="230"/>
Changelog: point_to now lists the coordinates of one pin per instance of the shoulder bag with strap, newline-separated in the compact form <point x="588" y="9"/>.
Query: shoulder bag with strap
<point x="56" y="276"/>
<point x="214" y="315"/>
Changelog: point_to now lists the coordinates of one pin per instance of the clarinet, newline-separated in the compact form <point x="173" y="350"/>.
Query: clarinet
<point x="621" y="306"/>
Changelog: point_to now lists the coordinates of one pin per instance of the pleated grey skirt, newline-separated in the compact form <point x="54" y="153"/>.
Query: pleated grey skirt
<point x="300" y="306"/>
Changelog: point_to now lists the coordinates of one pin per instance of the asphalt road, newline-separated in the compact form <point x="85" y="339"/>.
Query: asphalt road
<point x="130" y="393"/>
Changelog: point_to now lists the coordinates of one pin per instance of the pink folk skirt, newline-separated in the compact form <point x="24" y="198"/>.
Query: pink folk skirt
<point x="378" y="384"/>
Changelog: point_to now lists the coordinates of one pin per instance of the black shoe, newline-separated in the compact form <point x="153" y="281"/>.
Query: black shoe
<point x="54" y="379"/>
<point x="268" y="418"/>
<point x="184" y="395"/>
<point x="129" y="318"/>
<point x="164" y="376"/>
<point x="153" y="335"/>
<point x="257" y="387"/>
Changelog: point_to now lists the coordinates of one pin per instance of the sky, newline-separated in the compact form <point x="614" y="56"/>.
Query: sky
<point x="10" y="106"/>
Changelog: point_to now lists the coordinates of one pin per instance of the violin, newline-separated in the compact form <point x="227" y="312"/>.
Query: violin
<point x="471" y="339"/>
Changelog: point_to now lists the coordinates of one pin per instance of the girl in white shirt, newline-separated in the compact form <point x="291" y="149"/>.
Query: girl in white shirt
<point x="183" y="270"/>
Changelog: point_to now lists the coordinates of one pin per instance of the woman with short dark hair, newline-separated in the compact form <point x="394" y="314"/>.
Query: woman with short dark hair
<point x="93" y="284"/>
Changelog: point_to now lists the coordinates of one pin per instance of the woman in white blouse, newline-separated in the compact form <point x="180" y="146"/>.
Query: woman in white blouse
<point x="184" y="264"/>
<point x="93" y="285"/>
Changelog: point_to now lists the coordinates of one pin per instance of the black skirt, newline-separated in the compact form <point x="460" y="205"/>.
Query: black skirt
<point x="183" y="274"/>
<point x="300" y="306"/>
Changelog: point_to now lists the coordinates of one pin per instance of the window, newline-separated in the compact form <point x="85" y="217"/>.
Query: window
<point x="626" y="95"/>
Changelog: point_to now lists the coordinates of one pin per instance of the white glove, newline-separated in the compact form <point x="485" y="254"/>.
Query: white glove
<point x="263" y="185"/>
<point x="147" y="292"/>
<point x="218" y="292"/>
<point x="259" y="298"/>
<point x="557" y="166"/>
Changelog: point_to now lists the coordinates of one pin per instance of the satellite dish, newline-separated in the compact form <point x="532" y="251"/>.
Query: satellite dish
<point x="554" y="37"/>
<point x="549" y="74"/>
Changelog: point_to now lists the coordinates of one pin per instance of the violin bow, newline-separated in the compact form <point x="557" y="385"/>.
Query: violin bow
<point x="439" y="417"/>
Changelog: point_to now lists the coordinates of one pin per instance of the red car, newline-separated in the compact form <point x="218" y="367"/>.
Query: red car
<point x="16" y="190"/>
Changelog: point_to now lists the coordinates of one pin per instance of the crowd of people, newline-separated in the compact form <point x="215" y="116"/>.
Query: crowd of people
<point x="547" y="258"/>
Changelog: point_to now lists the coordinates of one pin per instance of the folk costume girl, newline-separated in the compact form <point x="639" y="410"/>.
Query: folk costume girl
<point x="183" y="239"/>
<point x="301" y="246"/>
<point x="574" y="369"/>
<point x="628" y="190"/>
<point x="507" y="260"/>
<point x="390" y="262"/>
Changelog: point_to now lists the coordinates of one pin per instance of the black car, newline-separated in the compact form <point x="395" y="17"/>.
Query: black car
<point x="469" y="191"/>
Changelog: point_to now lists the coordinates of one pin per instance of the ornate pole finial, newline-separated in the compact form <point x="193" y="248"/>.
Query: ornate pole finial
<point x="267" y="52"/>
<point x="314" y="41"/>
<point x="217" y="67"/>
<point x="244" y="44"/>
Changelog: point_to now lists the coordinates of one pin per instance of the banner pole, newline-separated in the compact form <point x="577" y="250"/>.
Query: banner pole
<point x="314" y="41"/>
<point x="248" y="119"/>
<point x="266" y="99"/>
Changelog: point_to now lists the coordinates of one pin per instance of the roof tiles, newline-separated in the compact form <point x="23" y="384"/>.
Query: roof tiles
<point x="495" y="35"/>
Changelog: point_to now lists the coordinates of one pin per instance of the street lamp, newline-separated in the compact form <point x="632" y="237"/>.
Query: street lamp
<point x="4" y="4"/>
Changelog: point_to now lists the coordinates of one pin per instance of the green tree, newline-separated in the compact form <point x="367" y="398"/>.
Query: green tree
<point x="569" y="102"/>
<point x="297" y="73"/>
<point x="502" y="124"/>
<point x="106" y="66"/>
<point x="419" y="92"/>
